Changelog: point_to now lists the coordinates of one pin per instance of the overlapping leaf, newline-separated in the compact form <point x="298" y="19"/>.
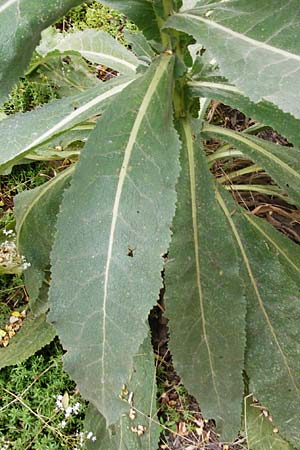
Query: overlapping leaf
<point x="35" y="333"/>
<point x="260" y="432"/>
<point x="281" y="163"/>
<point x="205" y="301"/>
<point x="270" y="267"/>
<point x="113" y="230"/>
<point x="22" y="133"/>
<point x="99" y="47"/>
<point x="255" y="44"/>
<point x="20" y="22"/>
<point x="140" y="394"/>
<point x="35" y="213"/>
<point x="264" y="112"/>
<point x="69" y="76"/>
<point x="141" y="12"/>
<point x="139" y="44"/>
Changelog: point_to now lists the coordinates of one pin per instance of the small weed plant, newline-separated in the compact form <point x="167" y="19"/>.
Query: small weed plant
<point x="40" y="408"/>
<point x="139" y="201"/>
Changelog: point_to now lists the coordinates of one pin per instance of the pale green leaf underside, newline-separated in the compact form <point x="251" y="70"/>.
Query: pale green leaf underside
<point x="264" y="112"/>
<point x="269" y="266"/>
<point x="255" y="44"/>
<point x="22" y="133"/>
<point x="281" y="163"/>
<point x="35" y="213"/>
<point x="121" y="202"/>
<point x="259" y="430"/>
<point x="101" y="48"/>
<point x="35" y="333"/>
<point x="205" y="301"/>
<point x="21" y="22"/>
<point x="120" y="436"/>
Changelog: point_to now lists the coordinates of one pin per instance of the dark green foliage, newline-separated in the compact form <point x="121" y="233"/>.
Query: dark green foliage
<point x="27" y="95"/>
<point x="97" y="16"/>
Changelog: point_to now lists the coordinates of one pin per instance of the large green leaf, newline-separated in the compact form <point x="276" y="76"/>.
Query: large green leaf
<point x="141" y="413"/>
<point x="270" y="267"/>
<point x="141" y="12"/>
<point x="22" y="133"/>
<point x="261" y="434"/>
<point x="35" y="333"/>
<point x="35" y="213"/>
<point x="205" y="300"/>
<point x="255" y="43"/>
<point x="99" y="47"/>
<point x="113" y="231"/>
<point x="264" y="112"/>
<point x="282" y="163"/>
<point x="21" y="23"/>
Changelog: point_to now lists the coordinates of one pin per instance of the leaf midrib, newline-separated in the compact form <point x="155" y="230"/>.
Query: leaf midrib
<point x="120" y="61"/>
<point x="278" y="248"/>
<point x="7" y="5"/>
<point x="216" y="85"/>
<point x="239" y="137"/>
<point x="77" y="113"/>
<point x="190" y="149"/>
<point x="255" y="286"/>
<point x="160" y="70"/>
<point x="242" y="37"/>
<point x="67" y="119"/>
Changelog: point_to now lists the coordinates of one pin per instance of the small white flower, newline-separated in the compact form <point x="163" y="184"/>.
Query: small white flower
<point x="90" y="436"/>
<point x="68" y="411"/>
<point x="76" y="408"/>
<point x="63" y="424"/>
<point x="8" y="233"/>
<point x="59" y="402"/>
<point x="81" y="439"/>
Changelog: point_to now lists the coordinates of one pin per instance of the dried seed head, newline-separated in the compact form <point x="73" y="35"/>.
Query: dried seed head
<point x="132" y="414"/>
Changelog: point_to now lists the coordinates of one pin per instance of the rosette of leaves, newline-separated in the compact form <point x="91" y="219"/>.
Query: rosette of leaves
<point x="142" y="189"/>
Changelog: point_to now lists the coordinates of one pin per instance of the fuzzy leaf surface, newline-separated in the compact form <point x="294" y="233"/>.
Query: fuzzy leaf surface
<point x="35" y="333"/>
<point x="21" y="21"/>
<point x="99" y="47"/>
<point x="142" y="384"/>
<point x="259" y="430"/>
<point x="264" y="112"/>
<point x="205" y="301"/>
<point x="35" y="212"/>
<point x="281" y="163"/>
<point x="112" y="232"/>
<point x="24" y="132"/>
<point x="255" y="43"/>
<point x="270" y="267"/>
